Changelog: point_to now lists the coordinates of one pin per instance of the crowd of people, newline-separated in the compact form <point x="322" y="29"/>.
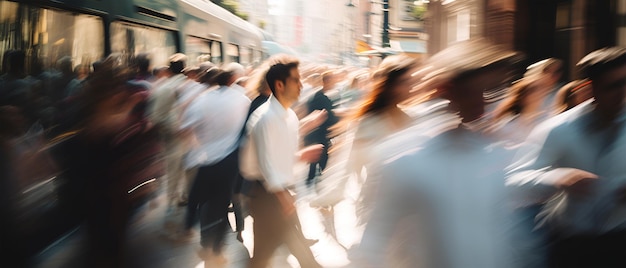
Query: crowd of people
<point x="447" y="177"/>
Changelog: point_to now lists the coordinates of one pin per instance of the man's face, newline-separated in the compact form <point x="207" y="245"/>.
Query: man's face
<point x="467" y="94"/>
<point x="292" y="86"/>
<point x="609" y="90"/>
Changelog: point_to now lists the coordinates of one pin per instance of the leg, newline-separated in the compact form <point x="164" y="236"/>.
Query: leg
<point x="190" y="175"/>
<point x="312" y="173"/>
<point x="214" y="209"/>
<point x="238" y="208"/>
<point x="174" y="172"/>
<point x="195" y="198"/>
<point x="324" y="157"/>
<point x="295" y="241"/>
<point x="268" y="229"/>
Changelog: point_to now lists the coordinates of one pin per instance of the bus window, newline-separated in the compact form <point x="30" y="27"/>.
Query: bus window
<point x="245" y="56"/>
<point x="198" y="50"/>
<point x="129" y="40"/>
<point x="47" y="36"/>
<point x="257" y="57"/>
<point x="216" y="52"/>
<point x="232" y="51"/>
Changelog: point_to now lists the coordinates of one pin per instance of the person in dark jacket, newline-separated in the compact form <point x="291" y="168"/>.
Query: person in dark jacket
<point x="320" y="101"/>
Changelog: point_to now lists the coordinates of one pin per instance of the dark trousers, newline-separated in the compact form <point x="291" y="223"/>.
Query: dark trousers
<point x="272" y="228"/>
<point x="209" y="196"/>
<point x="592" y="251"/>
<point x="321" y="164"/>
<point x="238" y="206"/>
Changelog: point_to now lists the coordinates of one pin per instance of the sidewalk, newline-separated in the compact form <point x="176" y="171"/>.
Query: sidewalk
<point x="147" y="247"/>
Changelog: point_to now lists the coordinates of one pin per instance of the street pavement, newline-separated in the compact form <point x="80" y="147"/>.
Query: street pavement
<point x="148" y="247"/>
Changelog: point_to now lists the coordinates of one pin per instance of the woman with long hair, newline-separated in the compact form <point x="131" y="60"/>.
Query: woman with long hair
<point x="519" y="112"/>
<point x="380" y="116"/>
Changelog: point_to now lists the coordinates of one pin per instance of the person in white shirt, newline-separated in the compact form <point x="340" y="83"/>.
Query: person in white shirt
<point x="162" y="104"/>
<point x="268" y="159"/>
<point x="215" y="120"/>
<point x="444" y="205"/>
<point x="238" y="72"/>
<point x="573" y="165"/>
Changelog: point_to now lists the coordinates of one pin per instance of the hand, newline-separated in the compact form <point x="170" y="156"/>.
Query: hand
<point x="576" y="181"/>
<point x="312" y="153"/>
<point x="318" y="117"/>
<point x="312" y="121"/>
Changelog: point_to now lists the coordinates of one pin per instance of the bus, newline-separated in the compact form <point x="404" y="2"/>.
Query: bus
<point x="86" y="31"/>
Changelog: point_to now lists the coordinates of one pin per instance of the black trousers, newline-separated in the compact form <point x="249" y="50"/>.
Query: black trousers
<point x="313" y="167"/>
<point x="592" y="251"/>
<point x="210" y="196"/>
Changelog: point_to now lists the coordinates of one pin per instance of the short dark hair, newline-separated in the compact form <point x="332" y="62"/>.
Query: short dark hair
<point x="223" y="78"/>
<point x="142" y="62"/>
<point x="600" y="61"/>
<point x="177" y="63"/>
<point x="208" y="76"/>
<point x="280" y="66"/>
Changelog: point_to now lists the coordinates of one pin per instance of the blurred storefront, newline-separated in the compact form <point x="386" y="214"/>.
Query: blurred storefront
<point x="565" y="29"/>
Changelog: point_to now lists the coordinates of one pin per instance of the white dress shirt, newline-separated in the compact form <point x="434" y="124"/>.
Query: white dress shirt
<point x="269" y="153"/>
<point x="570" y="140"/>
<point x="216" y="118"/>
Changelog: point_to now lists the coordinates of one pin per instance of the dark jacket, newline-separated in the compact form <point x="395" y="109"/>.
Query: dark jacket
<point x="320" y="101"/>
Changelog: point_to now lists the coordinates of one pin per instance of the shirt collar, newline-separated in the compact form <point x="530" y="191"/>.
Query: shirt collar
<point x="277" y="107"/>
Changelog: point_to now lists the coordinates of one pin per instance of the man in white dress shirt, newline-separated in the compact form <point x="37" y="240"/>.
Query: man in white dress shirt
<point x="268" y="159"/>
<point x="572" y="163"/>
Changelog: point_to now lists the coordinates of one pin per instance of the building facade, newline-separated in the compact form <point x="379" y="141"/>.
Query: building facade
<point x="564" y="29"/>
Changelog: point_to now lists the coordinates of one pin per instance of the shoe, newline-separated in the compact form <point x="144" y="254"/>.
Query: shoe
<point x="212" y="259"/>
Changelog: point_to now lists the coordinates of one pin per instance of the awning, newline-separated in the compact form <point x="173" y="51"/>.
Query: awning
<point x="362" y="46"/>
<point x="408" y="46"/>
<point x="377" y="51"/>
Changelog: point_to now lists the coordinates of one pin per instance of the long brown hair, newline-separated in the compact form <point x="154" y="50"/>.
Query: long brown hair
<point x="514" y="104"/>
<point x="384" y="80"/>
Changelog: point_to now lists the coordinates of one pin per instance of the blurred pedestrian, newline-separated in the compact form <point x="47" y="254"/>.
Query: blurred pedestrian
<point x="444" y="205"/>
<point x="214" y="119"/>
<point x="378" y="117"/>
<point x="321" y="135"/>
<point x="572" y="165"/>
